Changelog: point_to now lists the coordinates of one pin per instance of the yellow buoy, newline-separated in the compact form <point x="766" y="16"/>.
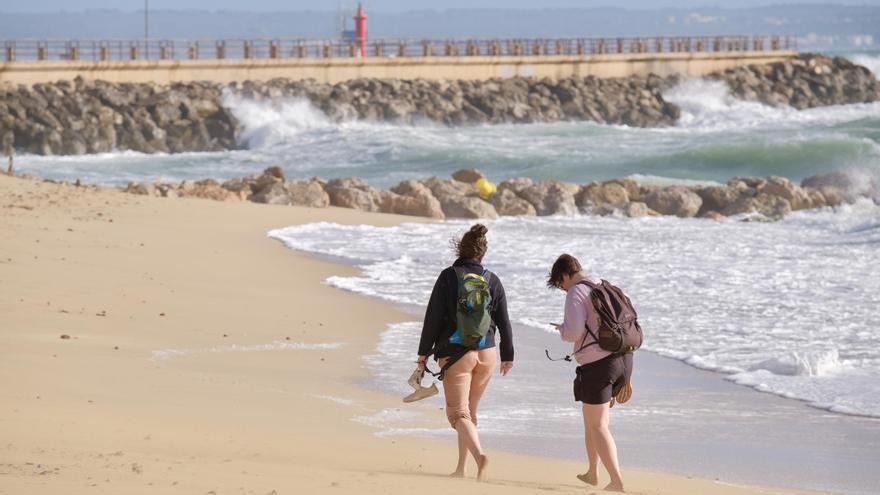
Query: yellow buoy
<point x="485" y="188"/>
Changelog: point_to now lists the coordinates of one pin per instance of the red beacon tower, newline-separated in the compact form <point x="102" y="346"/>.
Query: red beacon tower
<point x="360" y="31"/>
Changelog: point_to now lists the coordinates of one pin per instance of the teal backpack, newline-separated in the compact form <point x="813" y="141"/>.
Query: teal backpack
<point x="473" y="316"/>
<point x="473" y="310"/>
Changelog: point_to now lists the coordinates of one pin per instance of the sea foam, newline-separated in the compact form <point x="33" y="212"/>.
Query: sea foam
<point x="785" y="307"/>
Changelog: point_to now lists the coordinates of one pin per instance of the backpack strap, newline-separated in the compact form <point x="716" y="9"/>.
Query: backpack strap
<point x="593" y="288"/>
<point x="450" y="360"/>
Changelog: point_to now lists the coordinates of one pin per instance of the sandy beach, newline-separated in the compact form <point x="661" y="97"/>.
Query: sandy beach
<point x="157" y="345"/>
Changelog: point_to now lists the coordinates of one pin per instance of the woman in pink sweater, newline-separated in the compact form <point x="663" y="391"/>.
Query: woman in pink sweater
<point x="600" y="374"/>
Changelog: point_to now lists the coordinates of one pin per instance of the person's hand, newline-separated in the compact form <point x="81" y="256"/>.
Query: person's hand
<point x="506" y="367"/>
<point x="422" y="361"/>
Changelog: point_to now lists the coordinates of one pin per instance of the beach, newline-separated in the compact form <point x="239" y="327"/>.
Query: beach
<point x="168" y="345"/>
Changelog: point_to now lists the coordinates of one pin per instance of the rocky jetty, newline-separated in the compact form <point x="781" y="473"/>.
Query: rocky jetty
<point x="81" y="116"/>
<point x="753" y="198"/>
<point x="808" y="81"/>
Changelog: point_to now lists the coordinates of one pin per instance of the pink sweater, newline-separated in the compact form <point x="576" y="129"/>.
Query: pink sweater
<point x="578" y="308"/>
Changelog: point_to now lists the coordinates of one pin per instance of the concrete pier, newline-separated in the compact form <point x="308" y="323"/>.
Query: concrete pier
<point x="333" y="70"/>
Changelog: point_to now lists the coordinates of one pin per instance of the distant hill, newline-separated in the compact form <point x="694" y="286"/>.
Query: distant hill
<point x="823" y="26"/>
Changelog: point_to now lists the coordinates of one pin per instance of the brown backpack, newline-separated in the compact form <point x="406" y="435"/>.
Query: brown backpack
<point x="619" y="329"/>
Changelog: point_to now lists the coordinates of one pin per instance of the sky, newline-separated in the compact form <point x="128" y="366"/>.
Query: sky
<point x="40" y="6"/>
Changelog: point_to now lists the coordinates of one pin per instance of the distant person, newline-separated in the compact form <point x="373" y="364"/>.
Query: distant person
<point x="602" y="375"/>
<point x="466" y="308"/>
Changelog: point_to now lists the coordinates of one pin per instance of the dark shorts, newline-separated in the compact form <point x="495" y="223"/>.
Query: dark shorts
<point x="599" y="381"/>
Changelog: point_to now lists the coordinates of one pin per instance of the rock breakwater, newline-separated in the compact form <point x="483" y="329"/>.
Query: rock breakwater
<point x="81" y="116"/>
<point x="761" y="198"/>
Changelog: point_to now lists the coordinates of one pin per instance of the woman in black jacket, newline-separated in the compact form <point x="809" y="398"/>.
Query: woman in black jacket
<point x="465" y="380"/>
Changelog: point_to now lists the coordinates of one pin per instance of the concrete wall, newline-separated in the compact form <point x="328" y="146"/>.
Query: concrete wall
<point x="341" y="69"/>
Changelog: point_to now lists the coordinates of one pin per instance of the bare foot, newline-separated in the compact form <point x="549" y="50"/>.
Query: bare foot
<point x="589" y="478"/>
<point x="614" y="487"/>
<point x="482" y="464"/>
<point x="457" y="474"/>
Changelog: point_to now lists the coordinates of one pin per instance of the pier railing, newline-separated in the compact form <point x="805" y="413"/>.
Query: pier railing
<point x="286" y="48"/>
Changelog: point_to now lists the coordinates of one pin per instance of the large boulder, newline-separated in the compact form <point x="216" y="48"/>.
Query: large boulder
<point x="209" y="189"/>
<point x="638" y="209"/>
<point x="797" y="197"/>
<point x="516" y="184"/>
<point x="507" y="203"/>
<point x="602" y="193"/>
<point x="421" y="204"/>
<point x="838" y="187"/>
<point x="772" y="207"/>
<point x="442" y="189"/>
<point x="275" y="171"/>
<point x="633" y="189"/>
<point x="467" y="207"/>
<point x="298" y="193"/>
<point x="468" y="175"/>
<point x="674" y="200"/>
<point x="354" y="193"/>
<point x="551" y="198"/>
<point x="717" y="198"/>
<point x="410" y="188"/>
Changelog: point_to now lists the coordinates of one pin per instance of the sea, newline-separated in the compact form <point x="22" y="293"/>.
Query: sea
<point x="761" y="361"/>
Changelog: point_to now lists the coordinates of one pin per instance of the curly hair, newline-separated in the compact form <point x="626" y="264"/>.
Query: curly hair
<point x="472" y="244"/>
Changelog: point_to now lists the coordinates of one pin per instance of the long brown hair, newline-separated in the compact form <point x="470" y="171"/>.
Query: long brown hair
<point x="472" y="244"/>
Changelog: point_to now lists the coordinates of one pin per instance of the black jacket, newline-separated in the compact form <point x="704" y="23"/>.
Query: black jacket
<point x="440" y="316"/>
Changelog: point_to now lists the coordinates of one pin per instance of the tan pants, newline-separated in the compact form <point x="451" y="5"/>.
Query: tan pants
<point x="464" y="383"/>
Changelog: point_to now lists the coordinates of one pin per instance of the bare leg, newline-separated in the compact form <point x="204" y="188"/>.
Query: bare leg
<point x="591" y="476"/>
<point x="460" y="471"/>
<point x="467" y="433"/>
<point x="482" y="373"/>
<point x="596" y="420"/>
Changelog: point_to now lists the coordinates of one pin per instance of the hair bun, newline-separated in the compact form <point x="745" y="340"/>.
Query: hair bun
<point x="479" y="229"/>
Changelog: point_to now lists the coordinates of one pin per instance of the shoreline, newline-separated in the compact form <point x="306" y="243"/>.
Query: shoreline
<point x="87" y="417"/>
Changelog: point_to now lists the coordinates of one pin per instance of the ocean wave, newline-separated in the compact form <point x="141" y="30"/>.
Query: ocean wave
<point x="708" y="106"/>
<point x="784" y="307"/>
<point x="871" y="61"/>
<point x="718" y="137"/>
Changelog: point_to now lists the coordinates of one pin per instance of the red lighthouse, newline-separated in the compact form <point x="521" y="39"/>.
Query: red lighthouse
<point x="360" y="31"/>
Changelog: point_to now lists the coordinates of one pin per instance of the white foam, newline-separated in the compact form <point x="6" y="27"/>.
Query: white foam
<point x="707" y="106"/>
<point x="270" y="122"/>
<point x="165" y="354"/>
<point x="872" y="62"/>
<point x="786" y="307"/>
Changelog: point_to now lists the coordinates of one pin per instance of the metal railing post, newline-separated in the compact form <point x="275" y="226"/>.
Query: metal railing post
<point x="10" y="51"/>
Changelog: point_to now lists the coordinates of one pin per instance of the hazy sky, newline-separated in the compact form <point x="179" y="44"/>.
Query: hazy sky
<point x="385" y="5"/>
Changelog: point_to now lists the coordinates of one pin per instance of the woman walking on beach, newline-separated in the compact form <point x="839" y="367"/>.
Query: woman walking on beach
<point x="601" y="375"/>
<point x="466" y="308"/>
